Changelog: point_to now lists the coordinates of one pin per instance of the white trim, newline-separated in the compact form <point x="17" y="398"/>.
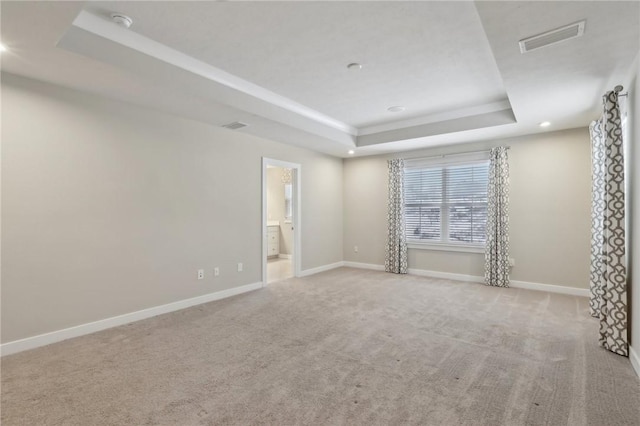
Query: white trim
<point x="92" y="327"/>
<point x="319" y="269"/>
<point x="436" y="118"/>
<point x="284" y="256"/>
<point x="635" y="360"/>
<point x="364" y="266"/>
<point x="550" y="288"/>
<point x="446" y="275"/>
<point x="446" y="247"/>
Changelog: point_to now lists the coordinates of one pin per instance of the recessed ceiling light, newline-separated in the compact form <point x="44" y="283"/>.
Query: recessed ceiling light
<point x="545" y="124"/>
<point x="396" y="108"/>
<point x="351" y="152"/>
<point x="354" y="66"/>
<point x="2" y="48"/>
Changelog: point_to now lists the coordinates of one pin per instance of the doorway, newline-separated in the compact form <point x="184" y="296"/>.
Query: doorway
<point x="280" y="220"/>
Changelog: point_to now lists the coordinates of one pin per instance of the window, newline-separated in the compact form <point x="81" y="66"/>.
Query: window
<point x="446" y="200"/>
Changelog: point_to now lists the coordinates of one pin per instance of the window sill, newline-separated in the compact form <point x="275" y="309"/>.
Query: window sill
<point x="446" y="247"/>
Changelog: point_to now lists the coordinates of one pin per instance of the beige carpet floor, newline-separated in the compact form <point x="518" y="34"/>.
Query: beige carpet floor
<point x="345" y="347"/>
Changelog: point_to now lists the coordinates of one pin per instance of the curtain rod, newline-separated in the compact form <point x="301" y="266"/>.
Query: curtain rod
<point x="619" y="88"/>
<point x="453" y="154"/>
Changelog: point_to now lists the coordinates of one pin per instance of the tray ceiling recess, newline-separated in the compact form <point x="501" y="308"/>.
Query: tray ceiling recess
<point x="399" y="76"/>
<point x="111" y="37"/>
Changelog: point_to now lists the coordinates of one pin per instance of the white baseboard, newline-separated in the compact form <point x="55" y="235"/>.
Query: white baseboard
<point x="285" y="256"/>
<point x="477" y="279"/>
<point x="364" y="266"/>
<point x="91" y="327"/>
<point x="446" y="275"/>
<point x="635" y="360"/>
<point x="551" y="288"/>
<point x="322" y="268"/>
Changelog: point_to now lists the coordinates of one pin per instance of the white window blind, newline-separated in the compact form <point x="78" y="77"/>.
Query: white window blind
<point x="446" y="200"/>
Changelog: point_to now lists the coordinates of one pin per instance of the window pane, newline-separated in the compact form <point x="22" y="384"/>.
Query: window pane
<point x="423" y="186"/>
<point x="467" y="224"/>
<point x="467" y="183"/>
<point x="457" y="191"/>
<point x="479" y="225"/>
<point x="423" y="223"/>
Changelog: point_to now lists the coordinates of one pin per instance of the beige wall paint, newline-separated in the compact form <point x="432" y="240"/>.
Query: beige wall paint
<point x="276" y="208"/>
<point x="275" y="194"/>
<point x="549" y="210"/>
<point x="109" y="208"/>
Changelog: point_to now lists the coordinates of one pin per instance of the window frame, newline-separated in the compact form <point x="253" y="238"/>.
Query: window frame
<point x="444" y="162"/>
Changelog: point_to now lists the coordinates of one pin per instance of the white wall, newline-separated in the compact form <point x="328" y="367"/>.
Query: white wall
<point x="549" y="210"/>
<point x="109" y="208"/>
<point x="633" y="202"/>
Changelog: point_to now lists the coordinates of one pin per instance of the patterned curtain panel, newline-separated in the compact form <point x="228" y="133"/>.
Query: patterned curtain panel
<point x="608" y="257"/>
<point x="597" y="216"/>
<point x="496" y="257"/>
<point x="396" y="253"/>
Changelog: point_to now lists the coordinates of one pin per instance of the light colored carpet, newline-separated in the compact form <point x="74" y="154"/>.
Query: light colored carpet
<point x="344" y="347"/>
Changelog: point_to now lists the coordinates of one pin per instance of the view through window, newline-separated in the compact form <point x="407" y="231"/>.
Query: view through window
<point x="446" y="203"/>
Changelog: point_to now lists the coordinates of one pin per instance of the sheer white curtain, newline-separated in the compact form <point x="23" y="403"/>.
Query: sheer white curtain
<point x="608" y="277"/>
<point x="496" y="257"/>
<point x="396" y="252"/>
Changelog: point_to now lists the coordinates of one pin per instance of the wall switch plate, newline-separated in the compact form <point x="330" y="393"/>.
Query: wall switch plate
<point x="512" y="262"/>
<point x="216" y="271"/>
<point x="355" y="249"/>
<point x="200" y="274"/>
<point x="239" y="267"/>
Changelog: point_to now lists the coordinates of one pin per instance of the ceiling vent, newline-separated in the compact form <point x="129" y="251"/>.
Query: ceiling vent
<point x="552" y="37"/>
<point x="235" y="125"/>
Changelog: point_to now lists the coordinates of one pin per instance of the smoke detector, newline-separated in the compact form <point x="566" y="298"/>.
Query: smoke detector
<point x="396" y="108"/>
<point x="122" y="20"/>
<point x="235" y="125"/>
<point x="552" y="37"/>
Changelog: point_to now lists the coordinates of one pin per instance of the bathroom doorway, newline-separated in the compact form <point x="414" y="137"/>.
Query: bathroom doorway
<point x="280" y="220"/>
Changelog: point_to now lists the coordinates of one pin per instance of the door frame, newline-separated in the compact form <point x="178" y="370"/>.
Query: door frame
<point x="296" y="180"/>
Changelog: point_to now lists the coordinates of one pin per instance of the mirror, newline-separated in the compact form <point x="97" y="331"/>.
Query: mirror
<point x="288" y="207"/>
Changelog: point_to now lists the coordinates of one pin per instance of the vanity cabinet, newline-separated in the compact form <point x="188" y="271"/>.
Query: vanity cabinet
<point x="273" y="240"/>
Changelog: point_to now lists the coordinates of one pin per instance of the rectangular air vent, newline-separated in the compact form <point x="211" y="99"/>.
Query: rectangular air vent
<point x="235" y="125"/>
<point x="552" y="37"/>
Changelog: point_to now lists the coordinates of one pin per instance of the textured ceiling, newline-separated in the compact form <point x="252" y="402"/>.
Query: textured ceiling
<point x="281" y="66"/>
<point x="426" y="56"/>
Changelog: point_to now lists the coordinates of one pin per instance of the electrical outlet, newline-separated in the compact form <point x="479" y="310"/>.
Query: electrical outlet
<point x="216" y="271"/>
<point x="239" y="267"/>
<point x="355" y="249"/>
<point x="201" y="274"/>
<point x="512" y="262"/>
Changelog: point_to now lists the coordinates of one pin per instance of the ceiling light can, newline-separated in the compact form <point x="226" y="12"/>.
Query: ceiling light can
<point x="545" y="124"/>
<point x="351" y="152"/>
